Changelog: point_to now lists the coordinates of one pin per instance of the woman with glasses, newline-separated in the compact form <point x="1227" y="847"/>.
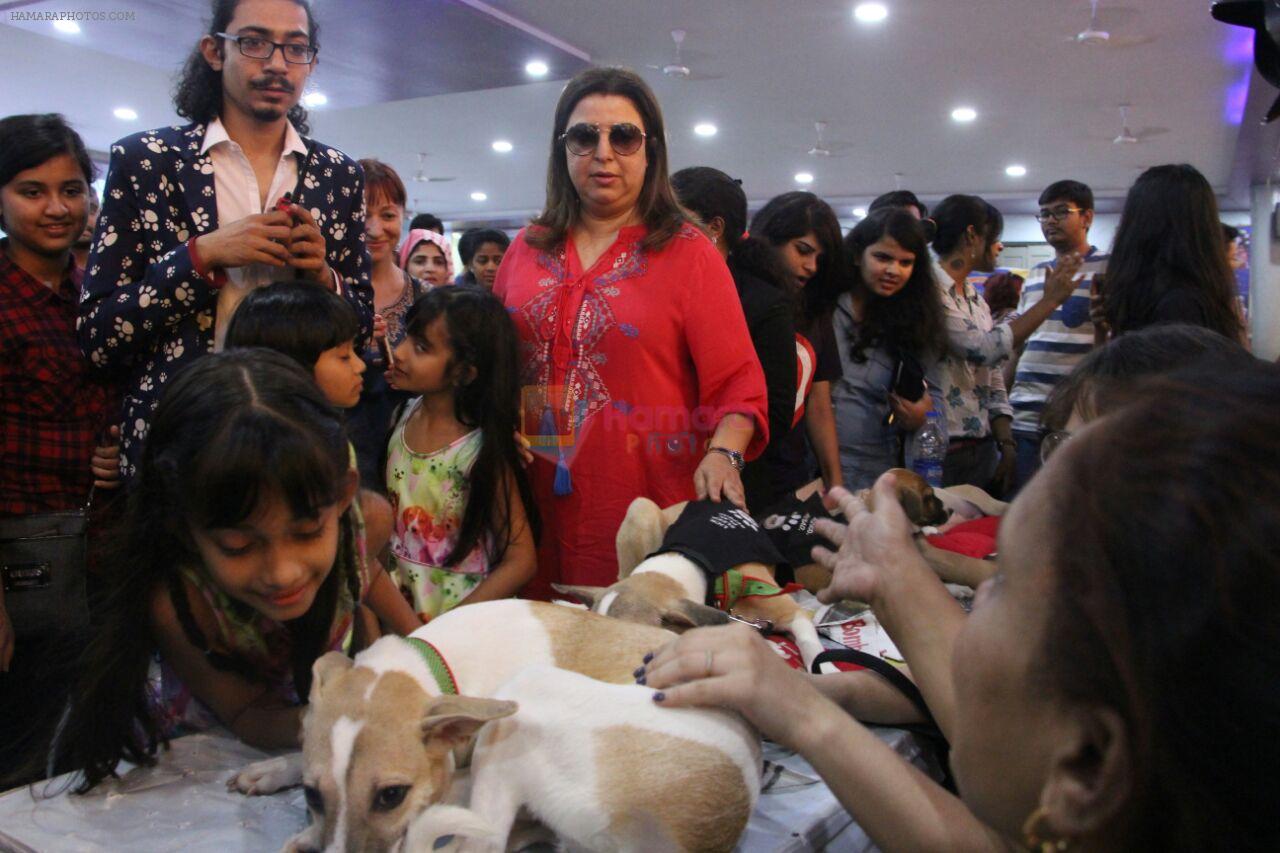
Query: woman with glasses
<point x="1106" y="377"/>
<point x="1169" y="260"/>
<point x="1113" y="687"/>
<point x="639" y="374"/>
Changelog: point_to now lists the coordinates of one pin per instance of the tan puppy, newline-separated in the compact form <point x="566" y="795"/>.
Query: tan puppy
<point x="379" y="734"/>
<point x="606" y="768"/>
<point x="929" y="507"/>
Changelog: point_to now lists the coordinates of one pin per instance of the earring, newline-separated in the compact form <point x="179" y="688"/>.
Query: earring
<point x="1039" y="838"/>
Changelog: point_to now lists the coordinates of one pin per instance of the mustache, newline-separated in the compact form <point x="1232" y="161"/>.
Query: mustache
<point x="272" y="83"/>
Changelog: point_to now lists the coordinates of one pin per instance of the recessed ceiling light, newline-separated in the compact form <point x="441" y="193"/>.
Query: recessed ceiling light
<point x="502" y="146"/>
<point x="537" y="68"/>
<point x="804" y="178"/>
<point x="870" y="13"/>
<point x="860" y="212"/>
<point x="706" y="128"/>
<point x="315" y="99"/>
<point x="964" y="115"/>
<point x="1016" y="171"/>
<point x="68" y="27"/>
<point x="479" y="196"/>
<point x="125" y="114"/>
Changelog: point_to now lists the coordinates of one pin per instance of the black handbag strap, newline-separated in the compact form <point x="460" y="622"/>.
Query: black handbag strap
<point x="884" y="669"/>
<point x="927" y="731"/>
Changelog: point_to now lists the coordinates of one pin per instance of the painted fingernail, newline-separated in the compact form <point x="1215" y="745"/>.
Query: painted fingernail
<point x="639" y="671"/>
<point x="659" y="696"/>
<point x="640" y="680"/>
<point x="648" y="657"/>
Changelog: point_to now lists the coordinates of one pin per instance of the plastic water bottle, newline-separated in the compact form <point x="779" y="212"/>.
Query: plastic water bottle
<point x="931" y="449"/>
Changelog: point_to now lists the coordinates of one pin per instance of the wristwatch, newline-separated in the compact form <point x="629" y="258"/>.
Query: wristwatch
<point x="735" y="458"/>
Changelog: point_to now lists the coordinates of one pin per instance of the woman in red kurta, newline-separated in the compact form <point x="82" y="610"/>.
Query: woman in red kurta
<point x="639" y="374"/>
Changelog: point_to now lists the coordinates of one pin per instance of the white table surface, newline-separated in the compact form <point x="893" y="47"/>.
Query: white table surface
<point x="182" y="804"/>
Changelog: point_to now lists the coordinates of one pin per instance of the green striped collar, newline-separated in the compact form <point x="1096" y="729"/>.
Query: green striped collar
<point x="436" y="665"/>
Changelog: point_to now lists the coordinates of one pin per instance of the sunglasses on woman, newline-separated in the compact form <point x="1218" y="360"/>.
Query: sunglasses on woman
<point x="582" y="139"/>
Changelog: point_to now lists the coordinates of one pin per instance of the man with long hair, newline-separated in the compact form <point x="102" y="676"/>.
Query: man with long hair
<point x="194" y="217"/>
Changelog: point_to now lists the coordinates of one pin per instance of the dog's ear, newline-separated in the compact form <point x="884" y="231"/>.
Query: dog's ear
<point x="639" y="535"/>
<point x="324" y="669"/>
<point x="685" y="614"/>
<point x="588" y="595"/>
<point x="913" y="504"/>
<point x="450" y="721"/>
<point x="935" y="512"/>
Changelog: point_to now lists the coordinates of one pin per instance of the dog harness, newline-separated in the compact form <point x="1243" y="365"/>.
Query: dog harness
<point x="718" y="537"/>
<point x="732" y="587"/>
<point x="436" y="665"/>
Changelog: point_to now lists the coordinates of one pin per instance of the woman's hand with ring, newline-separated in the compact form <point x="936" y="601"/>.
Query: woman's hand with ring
<point x="732" y="667"/>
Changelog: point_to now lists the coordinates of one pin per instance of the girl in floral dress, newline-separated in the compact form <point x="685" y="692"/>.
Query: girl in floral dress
<point x="463" y="513"/>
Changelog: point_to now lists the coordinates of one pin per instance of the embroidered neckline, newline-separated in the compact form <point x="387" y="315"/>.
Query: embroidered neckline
<point x="436" y="665"/>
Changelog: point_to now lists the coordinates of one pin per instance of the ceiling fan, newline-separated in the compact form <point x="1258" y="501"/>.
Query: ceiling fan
<point x="421" y="175"/>
<point x="823" y="148"/>
<point x="1095" y="36"/>
<point x="1127" y="136"/>
<point x="677" y="69"/>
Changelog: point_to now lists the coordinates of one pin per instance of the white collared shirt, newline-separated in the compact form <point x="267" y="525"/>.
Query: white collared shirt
<point x="236" y="189"/>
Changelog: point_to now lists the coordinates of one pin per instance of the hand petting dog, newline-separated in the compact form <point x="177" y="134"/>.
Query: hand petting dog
<point x="733" y="667"/>
<point x="716" y="479"/>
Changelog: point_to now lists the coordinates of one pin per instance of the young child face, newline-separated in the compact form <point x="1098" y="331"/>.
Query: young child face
<point x="274" y="561"/>
<point x="338" y="373"/>
<point x="424" y="364"/>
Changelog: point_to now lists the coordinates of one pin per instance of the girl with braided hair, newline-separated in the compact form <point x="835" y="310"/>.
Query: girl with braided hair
<point x="241" y="560"/>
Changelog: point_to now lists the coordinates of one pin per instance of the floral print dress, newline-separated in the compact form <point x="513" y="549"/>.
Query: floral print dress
<point x="429" y="494"/>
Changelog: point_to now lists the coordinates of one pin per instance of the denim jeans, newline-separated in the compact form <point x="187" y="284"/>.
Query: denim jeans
<point x="1028" y="460"/>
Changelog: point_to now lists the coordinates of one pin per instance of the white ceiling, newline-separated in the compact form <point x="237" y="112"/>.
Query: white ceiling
<point x="778" y="65"/>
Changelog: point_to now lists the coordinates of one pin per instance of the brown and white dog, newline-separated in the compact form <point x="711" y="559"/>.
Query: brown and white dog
<point x="605" y="768"/>
<point x="668" y="589"/>
<point x="380" y="732"/>
<point x="925" y="506"/>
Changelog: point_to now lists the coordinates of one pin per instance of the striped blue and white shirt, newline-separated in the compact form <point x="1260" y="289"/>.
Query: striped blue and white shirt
<point x="1054" y="349"/>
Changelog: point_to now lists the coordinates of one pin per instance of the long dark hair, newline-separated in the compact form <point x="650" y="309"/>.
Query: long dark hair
<point x="794" y="214"/>
<point x="231" y="430"/>
<point x="1166" y="589"/>
<point x="1170" y="238"/>
<point x="709" y="193"/>
<point x="912" y="319"/>
<point x="657" y="204"/>
<point x="484" y="344"/>
<point x="198" y="93"/>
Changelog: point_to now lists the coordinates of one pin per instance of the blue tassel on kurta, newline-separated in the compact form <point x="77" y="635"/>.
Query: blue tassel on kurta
<point x="563" y="484"/>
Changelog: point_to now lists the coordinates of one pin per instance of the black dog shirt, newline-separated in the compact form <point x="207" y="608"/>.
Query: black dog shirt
<point x="719" y="537"/>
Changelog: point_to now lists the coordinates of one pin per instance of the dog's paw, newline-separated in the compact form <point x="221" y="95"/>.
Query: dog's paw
<point x="268" y="776"/>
